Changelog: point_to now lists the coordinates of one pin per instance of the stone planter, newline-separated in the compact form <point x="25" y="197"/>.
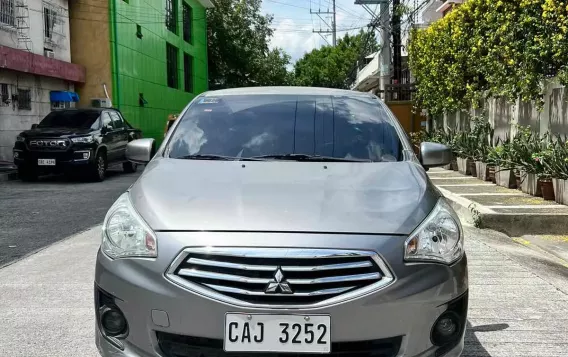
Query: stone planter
<point x="518" y="180"/>
<point x="529" y="184"/>
<point x="560" y="191"/>
<point x="491" y="173"/>
<point x="454" y="164"/>
<point x="479" y="170"/>
<point x="505" y="177"/>
<point x="547" y="189"/>
<point x="464" y="166"/>
<point x="472" y="167"/>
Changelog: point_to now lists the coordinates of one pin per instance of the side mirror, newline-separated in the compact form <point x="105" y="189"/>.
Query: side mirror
<point x="434" y="155"/>
<point x="34" y="126"/>
<point x="140" y="151"/>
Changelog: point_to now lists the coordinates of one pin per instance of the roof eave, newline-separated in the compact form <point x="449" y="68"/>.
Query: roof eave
<point x="206" y="3"/>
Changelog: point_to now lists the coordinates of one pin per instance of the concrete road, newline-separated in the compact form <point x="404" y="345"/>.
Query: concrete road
<point x="518" y="300"/>
<point x="36" y="214"/>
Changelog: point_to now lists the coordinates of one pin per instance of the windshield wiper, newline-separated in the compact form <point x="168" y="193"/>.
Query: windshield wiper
<point x="216" y="157"/>
<point x="305" y="157"/>
<point x="208" y="157"/>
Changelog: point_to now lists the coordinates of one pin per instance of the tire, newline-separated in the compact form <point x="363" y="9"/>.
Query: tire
<point x="98" y="168"/>
<point x="27" y="174"/>
<point x="129" y="167"/>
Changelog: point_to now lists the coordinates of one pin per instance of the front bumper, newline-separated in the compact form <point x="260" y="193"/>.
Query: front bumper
<point x="406" y="310"/>
<point x="64" y="160"/>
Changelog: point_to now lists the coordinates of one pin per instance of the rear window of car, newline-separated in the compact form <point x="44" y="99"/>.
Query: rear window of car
<point x="350" y="127"/>
<point x="70" y="119"/>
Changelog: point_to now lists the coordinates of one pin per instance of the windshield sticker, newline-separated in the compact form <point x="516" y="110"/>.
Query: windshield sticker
<point x="208" y="100"/>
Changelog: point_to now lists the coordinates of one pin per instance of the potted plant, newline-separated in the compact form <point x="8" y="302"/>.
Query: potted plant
<point x="504" y="175"/>
<point x="525" y="145"/>
<point x="484" y="133"/>
<point x="544" y="174"/>
<point x="557" y="164"/>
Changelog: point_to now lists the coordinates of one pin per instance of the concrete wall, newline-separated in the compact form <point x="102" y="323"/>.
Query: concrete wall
<point x="14" y="120"/>
<point x="90" y="47"/>
<point x="32" y="16"/>
<point x="505" y="116"/>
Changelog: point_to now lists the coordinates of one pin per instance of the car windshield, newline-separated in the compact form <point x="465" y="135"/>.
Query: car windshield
<point x="287" y="127"/>
<point x="70" y="119"/>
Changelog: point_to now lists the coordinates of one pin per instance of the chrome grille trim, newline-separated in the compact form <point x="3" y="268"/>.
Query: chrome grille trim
<point x="240" y="277"/>
<point x="336" y="279"/>
<point x="256" y="293"/>
<point x="228" y="277"/>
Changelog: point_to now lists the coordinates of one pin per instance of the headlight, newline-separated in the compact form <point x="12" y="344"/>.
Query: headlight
<point x="438" y="238"/>
<point x="125" y="234"/>
<point x="20" y="138"/>
<point x="83" y="139"/>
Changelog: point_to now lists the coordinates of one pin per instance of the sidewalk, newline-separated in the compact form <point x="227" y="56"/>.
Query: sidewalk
<point x="486" y="205"/>
<point x="516" y="307"/>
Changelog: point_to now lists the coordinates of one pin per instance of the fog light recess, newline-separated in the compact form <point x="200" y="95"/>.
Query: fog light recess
<point x="446" y="329"/>
<point x="113" y="322"/>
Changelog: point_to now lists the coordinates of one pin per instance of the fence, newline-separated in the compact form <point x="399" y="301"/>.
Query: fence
<point x="504" y="116"/>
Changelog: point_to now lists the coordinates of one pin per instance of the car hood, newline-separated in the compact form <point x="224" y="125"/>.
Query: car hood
<point x="283" y="196"/>
<point x="54" y="132"/>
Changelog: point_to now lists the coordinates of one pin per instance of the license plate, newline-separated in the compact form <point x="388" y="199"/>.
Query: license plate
<point x="277" y="333"/>
<point x="46" y="162"/>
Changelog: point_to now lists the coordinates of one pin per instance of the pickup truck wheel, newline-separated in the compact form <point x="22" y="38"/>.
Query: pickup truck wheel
<point x="98" y="169"/>
<point x="129" y="167"/>
<point x="27" y="174"/>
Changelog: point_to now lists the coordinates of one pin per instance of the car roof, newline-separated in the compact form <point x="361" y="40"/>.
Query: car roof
<point x="287" y="91"/>
<point x="98" y="110"/>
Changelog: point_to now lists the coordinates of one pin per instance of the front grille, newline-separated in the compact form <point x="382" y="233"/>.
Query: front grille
<point x="286" y="277"/>
<point x="48" y="144"/>
<point x="186" y="346"/>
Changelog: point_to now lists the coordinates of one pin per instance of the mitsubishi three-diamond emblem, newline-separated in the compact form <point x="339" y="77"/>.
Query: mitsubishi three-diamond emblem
<point x="279" y="284"/>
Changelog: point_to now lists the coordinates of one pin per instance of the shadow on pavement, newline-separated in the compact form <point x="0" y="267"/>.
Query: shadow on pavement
<point x="473" y="347"/>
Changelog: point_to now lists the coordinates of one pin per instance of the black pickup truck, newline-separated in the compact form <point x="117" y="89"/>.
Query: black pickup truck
<point x="75" y="141"/>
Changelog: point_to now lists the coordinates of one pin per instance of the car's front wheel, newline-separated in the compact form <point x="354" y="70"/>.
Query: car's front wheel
<point x="129" y="167"/>
<point x="98" y="169"/>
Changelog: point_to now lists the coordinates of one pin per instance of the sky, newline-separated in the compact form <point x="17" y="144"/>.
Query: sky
<point x="293" y="23"/>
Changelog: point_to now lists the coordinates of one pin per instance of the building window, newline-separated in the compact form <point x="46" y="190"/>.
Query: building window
<point x="4" y="95"/>
<point x="171" y="15"/>
<point x="172" y="65"/>
<point x="8" y="12"/>
<point x="139" y="31"/>
<point x="24" y="99"/>
<point x="188" y="73"/>
<point x="187" y="23"/>
<point x="49" y="17"/>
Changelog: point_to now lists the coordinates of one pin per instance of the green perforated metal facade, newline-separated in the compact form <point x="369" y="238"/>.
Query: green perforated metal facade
<point x="139" y="40"/>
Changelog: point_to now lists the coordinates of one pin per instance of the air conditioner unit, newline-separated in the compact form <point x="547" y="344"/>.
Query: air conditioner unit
<point x="49" y="53"/>
<point x="101" y="103"/>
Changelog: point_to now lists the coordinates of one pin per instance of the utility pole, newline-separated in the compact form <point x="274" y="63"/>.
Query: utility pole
<point x="334" y="28"/>
<point x="331" y="29"/>
<point x="396" y="42"/>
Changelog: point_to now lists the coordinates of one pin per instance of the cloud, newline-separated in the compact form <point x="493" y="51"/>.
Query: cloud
<point x="295" y="38"/>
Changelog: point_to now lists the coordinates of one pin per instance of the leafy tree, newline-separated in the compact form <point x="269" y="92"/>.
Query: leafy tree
<point x="238" y="53"/>
<point x="333" y="67"/>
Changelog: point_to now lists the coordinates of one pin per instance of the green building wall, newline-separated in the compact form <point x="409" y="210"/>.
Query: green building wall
<point x="139" y="64"/>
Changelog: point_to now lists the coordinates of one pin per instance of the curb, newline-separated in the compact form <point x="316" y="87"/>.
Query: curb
<point x="8" y="176"/>
<point x="512" y="224"/>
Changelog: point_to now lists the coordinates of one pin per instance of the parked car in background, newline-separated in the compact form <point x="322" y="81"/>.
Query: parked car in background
<point x="75" y="141"/>
<point x="293" y="221"/>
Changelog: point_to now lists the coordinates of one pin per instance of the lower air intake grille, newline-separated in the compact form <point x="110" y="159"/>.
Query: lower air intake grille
<point x="282" y="277"/>
<point x="187" y="346"/>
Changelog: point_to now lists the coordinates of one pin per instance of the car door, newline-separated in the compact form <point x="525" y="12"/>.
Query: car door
<point x="120" y="135"/>
<point x="108" y="135"/>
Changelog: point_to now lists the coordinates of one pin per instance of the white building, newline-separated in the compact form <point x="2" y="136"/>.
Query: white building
<point x="376" y="74"/>
<point x="35" y="65"/>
